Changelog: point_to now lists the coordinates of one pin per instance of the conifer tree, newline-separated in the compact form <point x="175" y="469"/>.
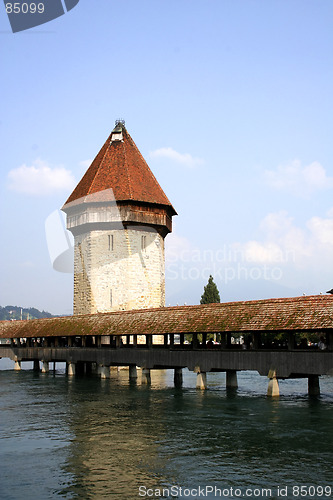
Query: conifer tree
<point x="211" y="293"/>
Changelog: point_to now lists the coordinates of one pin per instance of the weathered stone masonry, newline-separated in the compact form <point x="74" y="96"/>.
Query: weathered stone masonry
<point x="119" y="269"/>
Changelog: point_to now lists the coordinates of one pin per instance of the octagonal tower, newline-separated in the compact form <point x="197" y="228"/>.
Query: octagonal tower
<point x="119" y="216"/>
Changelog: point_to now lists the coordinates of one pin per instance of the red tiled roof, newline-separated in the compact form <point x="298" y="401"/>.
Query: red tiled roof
<point x="120" y="166"/>
<point x="297" y="313"/>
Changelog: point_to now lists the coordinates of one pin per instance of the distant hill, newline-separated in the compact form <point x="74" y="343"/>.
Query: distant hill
<point x="14" y="312"/>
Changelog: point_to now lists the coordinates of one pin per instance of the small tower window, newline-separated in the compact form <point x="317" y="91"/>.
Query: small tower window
<point x="110" y="237"/>
<point x="143" y="242"/>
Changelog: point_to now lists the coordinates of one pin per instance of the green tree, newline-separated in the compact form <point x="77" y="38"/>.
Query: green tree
<point x="211" y="293"/>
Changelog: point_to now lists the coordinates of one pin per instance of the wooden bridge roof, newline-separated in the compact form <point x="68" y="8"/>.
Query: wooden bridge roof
<point x="297" y="313"/>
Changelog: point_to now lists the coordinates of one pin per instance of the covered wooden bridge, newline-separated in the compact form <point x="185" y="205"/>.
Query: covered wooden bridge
<point x="275" y="335"/>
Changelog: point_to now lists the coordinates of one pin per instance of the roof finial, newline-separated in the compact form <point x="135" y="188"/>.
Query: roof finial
<point x="120" y="121"/>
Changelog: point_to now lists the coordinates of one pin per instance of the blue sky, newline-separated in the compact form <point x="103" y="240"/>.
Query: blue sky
<point x="231" y="104"/>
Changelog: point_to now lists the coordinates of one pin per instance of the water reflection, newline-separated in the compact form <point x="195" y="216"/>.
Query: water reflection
<point x="91" y="438"/>
<point x="117" y="428"/>
<point x="130" y="436"/>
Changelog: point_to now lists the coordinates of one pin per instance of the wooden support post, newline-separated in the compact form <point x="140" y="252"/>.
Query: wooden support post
<point x="228" y="343"/>
<point x="172" y="339"/>
<point x="135" y="340"/>
<point x="133" y="374"/>
<point x="291" y="341"/>
<point x="257" y="340"/>
<point x="36" y="365"/>
<point x="166" y="338"/>
<point x="223" y="340"/>
<point x="273" y="385"/>
<point x="178" y="377"/>
<point x="313" y="385"/>
<point x="231" y="379"/>
<point x="182" y="338"/>
<point x="70" y="341"/>
<point x="149" y="341"/>
<point x="146" y="378"/>
<point x="329" y="341"/>
<point x="195" y="340"/>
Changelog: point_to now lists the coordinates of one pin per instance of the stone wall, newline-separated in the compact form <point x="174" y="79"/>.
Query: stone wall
<point x="118" y="269"/>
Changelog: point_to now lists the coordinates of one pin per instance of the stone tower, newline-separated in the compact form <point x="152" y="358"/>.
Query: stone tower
<point x="119" y="216"/>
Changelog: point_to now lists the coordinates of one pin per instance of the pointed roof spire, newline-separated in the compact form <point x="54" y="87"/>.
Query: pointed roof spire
<point x="120" y="166"/>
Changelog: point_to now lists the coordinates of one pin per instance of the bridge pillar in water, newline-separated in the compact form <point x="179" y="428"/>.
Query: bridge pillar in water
<point x="178" y="377"/>
<point x="133" y="374"/>
<point x="17" y="365"/>
<point x="45" y="366"/>
<point x="36" y="365"/>
<point x="93" y="368"/>
<point x="104" y="371"/>
<point x="201" y="380"/>
<point x="273" y="385"/>
<point x="231" y="379"/>
<point x="146" y="379"/>
<point x="70" y="369"/>
<point x="313" y="385"/>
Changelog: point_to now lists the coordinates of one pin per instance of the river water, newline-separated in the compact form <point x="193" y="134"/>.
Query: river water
<point x="87" y="438"/>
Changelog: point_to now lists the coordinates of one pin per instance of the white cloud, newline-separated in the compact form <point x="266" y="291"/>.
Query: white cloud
<point x="296" y="257"/>
<point x="299" y="180"/>
<point x="284" y="242"/>
<point x="182" y="158"/>
<point x="264" y="253"/>
<point x="40" y="179"/>
<point x="322" y="231"/>
<point x="301" y="254"/>
<point x="281" y="242"/>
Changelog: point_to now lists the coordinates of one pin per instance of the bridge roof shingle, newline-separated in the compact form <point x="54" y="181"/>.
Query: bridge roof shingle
<point x="296" y="313"/>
